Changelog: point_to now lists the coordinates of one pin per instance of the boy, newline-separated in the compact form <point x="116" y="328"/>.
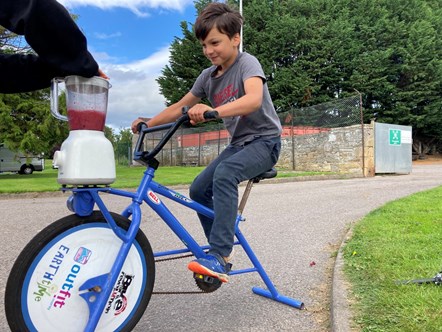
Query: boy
<point x="236" y="86"/>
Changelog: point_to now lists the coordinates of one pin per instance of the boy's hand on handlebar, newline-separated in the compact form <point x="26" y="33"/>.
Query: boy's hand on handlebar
<point x="135" y="123"/>
<point x="196" y="113"/>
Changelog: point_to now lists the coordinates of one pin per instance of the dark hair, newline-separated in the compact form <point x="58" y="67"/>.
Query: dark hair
<point x="221" y="16"/>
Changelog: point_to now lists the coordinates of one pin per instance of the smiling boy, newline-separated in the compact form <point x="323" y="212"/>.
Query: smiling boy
<point x="236" y="87"/>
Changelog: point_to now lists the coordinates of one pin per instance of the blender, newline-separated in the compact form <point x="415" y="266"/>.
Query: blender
<point x="86" y="157"/>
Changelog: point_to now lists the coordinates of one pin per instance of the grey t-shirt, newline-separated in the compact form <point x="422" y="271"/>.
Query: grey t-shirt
<point x="228" y="87"/>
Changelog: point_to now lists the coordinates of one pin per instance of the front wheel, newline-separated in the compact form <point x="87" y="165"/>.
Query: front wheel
<point x="42" y="288"/>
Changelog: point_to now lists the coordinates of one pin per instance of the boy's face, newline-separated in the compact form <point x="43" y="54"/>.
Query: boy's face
<point x="220" y="49"/>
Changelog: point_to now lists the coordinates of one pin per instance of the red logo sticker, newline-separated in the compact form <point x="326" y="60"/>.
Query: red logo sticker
<point x="154" y="198"/>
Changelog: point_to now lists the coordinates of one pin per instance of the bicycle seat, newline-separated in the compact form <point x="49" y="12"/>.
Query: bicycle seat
<point x="271" y="173"/>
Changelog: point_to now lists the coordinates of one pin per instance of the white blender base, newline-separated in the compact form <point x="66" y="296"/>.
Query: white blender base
<point x="86" y="157"/>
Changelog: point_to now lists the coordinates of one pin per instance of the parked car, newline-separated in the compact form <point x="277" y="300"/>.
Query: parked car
<point x="15" y="161"/>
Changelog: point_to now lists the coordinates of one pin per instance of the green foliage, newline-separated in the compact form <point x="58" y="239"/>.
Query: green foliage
<point x="110" y="135"/>
<point x="399" y="69"/>
<point x="25" y="120"/>
<point x="311" y="51"/>
<point x="185" y="63"/>
<point x="125" y="136"/>
<point x="127" y="177"/>
<point x="26" y="124"/>
<point x="318" y="50"/>
<point x="123" y="146"/>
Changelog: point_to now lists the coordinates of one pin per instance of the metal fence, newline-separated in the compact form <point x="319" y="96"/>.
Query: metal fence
<point x="333" y="114"/>
<point x="123" y="154"/>
<point x="309" y="131"/>
<point x="197" y="146"/>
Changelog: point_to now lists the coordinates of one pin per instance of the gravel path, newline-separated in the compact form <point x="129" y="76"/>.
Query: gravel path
<point x="294" y="228"/>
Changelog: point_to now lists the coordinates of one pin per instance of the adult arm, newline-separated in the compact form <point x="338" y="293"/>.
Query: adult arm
<point x="60" y="45"/>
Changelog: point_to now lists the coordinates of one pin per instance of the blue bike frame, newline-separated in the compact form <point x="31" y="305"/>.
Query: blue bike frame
<point x="96" y="291"/>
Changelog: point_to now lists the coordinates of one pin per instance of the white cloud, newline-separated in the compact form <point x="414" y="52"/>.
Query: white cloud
<point x="139" y="7"/>
<point x="134" y="90"/>
<point x="105" y="36"/>
<point x="103" y="57"/>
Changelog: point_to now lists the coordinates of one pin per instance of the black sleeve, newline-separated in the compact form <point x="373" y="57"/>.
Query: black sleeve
<point x="24" y="73"/>
<point x="50" y="31"/>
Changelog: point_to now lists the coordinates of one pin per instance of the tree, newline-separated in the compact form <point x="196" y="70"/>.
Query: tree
<point x="318" y="50"/>
<point x="25" y="120"/>
<point x="26" y="124"/>
<point x="400" y="68"/>
<point x="123" y="146"/>
<point x="185" y="63"/>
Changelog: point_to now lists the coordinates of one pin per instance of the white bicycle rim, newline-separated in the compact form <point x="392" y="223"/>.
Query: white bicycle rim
<point x="50" y="295"/>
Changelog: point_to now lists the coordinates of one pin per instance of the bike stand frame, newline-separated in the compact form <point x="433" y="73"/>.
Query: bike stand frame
<point x="97" y="290"/>
<point x="271" y="292"/>
<point x="436" y="280"/>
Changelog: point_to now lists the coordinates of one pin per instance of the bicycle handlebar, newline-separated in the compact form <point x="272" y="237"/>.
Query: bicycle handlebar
<point x="145" y="156"/>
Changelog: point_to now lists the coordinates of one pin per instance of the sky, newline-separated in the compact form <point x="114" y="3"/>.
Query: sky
<point x="130" y="40"/>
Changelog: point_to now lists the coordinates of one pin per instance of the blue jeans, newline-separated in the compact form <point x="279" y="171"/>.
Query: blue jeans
<point x="217" y="187"/>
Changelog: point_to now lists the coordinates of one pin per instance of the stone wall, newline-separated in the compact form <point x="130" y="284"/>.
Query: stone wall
<point x="339" y="150"/>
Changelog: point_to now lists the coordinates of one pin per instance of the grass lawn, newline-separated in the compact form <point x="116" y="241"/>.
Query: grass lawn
<point x="399" y="241"/>
<point x="127" y="177"/>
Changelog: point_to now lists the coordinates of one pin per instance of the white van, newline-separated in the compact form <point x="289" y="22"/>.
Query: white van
<point x="11" y="161"/>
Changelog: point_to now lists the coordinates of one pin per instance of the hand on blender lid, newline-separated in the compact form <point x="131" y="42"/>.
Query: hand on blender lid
<point x="102" y="74"/>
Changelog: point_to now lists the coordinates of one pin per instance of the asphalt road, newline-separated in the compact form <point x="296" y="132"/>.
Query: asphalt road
<point x="294" y="228"/>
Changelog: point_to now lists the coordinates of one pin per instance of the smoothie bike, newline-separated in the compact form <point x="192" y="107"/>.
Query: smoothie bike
<point x="94" y="270"/>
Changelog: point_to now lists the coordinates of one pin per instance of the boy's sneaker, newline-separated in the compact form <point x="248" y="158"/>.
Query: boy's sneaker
<point x="212" y="265"/>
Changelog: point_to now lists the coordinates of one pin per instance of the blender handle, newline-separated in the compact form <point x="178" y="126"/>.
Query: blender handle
<point x="54" y="99"/>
